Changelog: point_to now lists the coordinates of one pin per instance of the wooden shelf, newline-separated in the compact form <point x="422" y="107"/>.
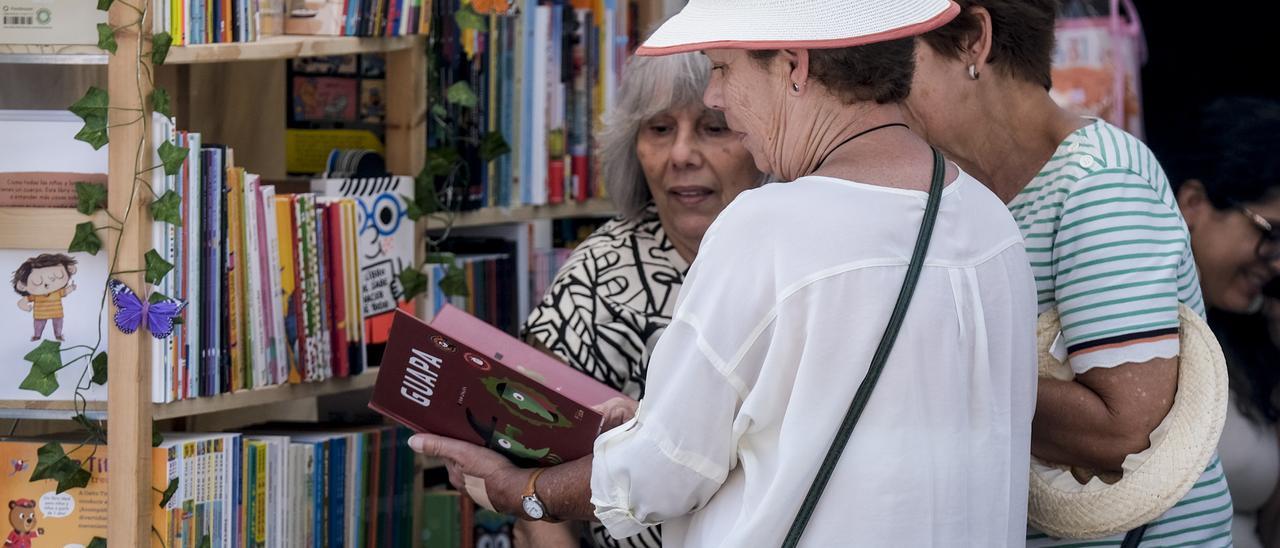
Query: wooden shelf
<point x="263" y="396"/>
<point x="44" y="409"/>
<point x="41" y="227"/>
<point x="596" y="207"/>
<point x="279" y="47"/>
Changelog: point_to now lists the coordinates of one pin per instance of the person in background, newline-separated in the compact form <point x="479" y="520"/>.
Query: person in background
<point x="1230" y="197"/>
<point x="1106" y="241"/>
<point x="671" y="166"/>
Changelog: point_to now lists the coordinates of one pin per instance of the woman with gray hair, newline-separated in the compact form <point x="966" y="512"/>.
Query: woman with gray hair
<point x="670" y="165"/>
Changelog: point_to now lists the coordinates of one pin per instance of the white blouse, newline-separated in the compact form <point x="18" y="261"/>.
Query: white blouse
<point x="775" y="328"/>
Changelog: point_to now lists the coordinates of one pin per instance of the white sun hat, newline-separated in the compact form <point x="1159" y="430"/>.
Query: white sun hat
<point x="1154" y="480"/>
<point x="802" y="24"/>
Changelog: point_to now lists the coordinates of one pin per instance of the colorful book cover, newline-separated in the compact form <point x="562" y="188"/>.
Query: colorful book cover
<point x="290" y="296"/>
<point x="515" y="400"/>
<point x="38" y="515"/>
<point x="386" y="247"/>
<point x="55" y="299"/>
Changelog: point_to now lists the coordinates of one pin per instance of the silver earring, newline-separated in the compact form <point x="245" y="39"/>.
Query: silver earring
<point x="973" y="72"/>
<point x="795" y="87"/>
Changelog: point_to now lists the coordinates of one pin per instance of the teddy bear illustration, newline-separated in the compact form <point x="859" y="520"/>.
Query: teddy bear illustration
<point x="22" y="519"/>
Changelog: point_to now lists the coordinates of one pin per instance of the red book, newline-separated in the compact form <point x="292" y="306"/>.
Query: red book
<point x="462" y="378"/>
<point x="555" y="180"/>
<point x="337" y="290"/>
<point x="581" y="177"/>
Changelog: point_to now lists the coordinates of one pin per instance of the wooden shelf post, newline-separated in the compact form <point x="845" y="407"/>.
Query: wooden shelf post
<point x="129" y="389"/>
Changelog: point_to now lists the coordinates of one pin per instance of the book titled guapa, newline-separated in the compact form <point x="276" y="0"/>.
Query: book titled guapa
<point x="462" y="378"/>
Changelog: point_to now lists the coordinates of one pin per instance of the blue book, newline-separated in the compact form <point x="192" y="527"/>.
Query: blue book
<point x="337" y="491"/>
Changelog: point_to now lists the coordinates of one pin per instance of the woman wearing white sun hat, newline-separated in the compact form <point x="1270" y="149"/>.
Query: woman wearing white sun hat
<point x="879" y="266"/>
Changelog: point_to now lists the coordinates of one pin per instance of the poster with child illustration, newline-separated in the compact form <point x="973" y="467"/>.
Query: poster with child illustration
<point x="54" y="297"/>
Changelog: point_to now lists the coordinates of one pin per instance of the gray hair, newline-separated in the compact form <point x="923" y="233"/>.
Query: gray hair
<point x="651" y="85"/>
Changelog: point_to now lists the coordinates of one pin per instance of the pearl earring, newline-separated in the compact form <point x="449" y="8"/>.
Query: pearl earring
<point x="973" y="72"/>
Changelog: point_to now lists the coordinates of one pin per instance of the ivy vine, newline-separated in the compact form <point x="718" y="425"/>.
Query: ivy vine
<point x="53" y="462"/>
<point x="447" y="169"/>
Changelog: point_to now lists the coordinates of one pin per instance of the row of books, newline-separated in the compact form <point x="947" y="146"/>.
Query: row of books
<point x="191" y="22"/>
<point x="273" y="487"/>
<point x="543" y="77"/>
<point x="489" y="273"/>
<point x="272" y="282"/>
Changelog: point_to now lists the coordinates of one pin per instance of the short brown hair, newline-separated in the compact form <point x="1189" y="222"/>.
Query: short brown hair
<point x="1021" y="36"/>
<point x="879" y="72"/>
<point x="44" y="260"/>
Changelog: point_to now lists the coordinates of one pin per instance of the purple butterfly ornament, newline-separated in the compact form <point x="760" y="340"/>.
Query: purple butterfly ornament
<point x="132" y="311"/>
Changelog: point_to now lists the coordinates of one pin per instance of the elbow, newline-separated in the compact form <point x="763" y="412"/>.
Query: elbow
<point x="1122" y="439"/>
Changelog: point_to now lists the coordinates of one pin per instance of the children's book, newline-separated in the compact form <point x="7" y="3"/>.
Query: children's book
<point x="462" y="378"/>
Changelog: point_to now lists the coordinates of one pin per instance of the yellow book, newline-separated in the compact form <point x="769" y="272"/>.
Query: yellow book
<point x="235" y="276"/>
<point x="287" y="233"/>
<point x="41" y="516"/>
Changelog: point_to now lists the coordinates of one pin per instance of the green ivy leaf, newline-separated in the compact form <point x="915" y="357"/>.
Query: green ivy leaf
<point x="169" y="491"/>
<point x="95" y="430"/>
<point x="467" y="18"/>
<point x="156" y="297"/>
<point x="48" y="457"/>
<point x="168" y="208"/>
<point x="104" y="5"/>
<point x="94" y="131"/>
<point x="156" y="267"/>
<point x="160" y="47"/>
<point x="75" y="478"/>
<point x="205" y="542"/>
<point x="95" y="102"/>
<point x="454" y="282"/>
<point x="106" y="37"/>
<point x="156" y="437"/>
<point x="86" y="239"/>
<point x="160" y="102"/>
<point x="178" y="320"/>
<point x="493" y="146"/>
<point x="424" y="192"/>
<point x="460" y="94"/>
<point x="172" y="156"/>
<point x="100" y="369"/>
<point x="439" y="111"/>
<point x="39" y="380"/>
<point x="90" y="197"/>
<point x="414" y="282"/>
<point x="53" y="463"/>
<point x="97" y="542"/>
<point x="46" y="357"/>
<point x="413" y="212"/>
<point x="440" y="258"/>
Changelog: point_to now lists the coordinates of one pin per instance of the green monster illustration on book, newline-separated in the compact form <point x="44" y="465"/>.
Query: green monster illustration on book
<point x="526" y="402"/>
<point x="506" y="442"/>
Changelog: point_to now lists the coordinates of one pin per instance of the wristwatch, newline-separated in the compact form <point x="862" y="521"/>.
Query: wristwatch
<point x="533" y="506"/>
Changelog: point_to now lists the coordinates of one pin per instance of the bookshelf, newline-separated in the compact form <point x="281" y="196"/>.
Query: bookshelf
<point x="45" y="409"/>
<point x="128" y="409"/>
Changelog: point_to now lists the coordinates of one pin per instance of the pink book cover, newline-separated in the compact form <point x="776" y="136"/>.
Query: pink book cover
<point x="449" y="380"/>
<point x="526" y="359"/>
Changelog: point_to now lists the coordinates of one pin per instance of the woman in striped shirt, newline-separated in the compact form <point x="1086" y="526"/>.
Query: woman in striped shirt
<point x="1107" y="243"/>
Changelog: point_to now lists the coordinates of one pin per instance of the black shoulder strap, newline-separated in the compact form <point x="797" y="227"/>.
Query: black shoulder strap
<point x="877" y="362"/>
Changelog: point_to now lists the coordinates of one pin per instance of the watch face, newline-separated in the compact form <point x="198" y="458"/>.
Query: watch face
<point x="533" y="507"/>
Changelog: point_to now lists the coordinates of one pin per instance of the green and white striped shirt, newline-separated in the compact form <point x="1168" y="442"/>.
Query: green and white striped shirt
<point x="1111" y="251"/>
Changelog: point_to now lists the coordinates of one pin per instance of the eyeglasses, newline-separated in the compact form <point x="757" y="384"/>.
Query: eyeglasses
<point x="1269" y="243"/>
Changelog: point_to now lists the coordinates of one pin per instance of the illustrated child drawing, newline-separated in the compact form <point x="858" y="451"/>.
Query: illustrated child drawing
<point x="22" y="524"/>
<point x="43" y="282"/>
